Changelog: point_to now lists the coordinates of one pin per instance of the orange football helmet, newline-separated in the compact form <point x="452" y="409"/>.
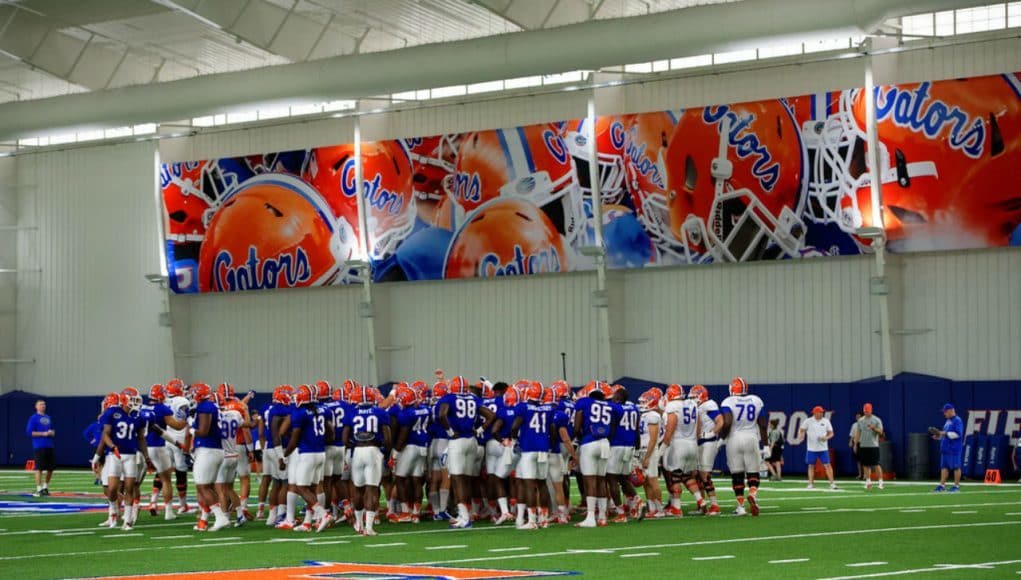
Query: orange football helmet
<point x="646" y="178"/>
<point x="274" y="231"/>
<point x="433" y="161"/>
<point x="458" y="385"/>
<point x="440" y="390"/>
<point x="738" y="198"/>
<point x="175" y="388"/>
<point x="506" y="237"/>
<point x="303" y="395"/>
<point x="948" y="163"/>
<point x="530" y="163"/>
<point x="282" y="394"/>
<point x="361" y="395"/>
<point x="184" y="201"/>
<point x="111" y="400"/>
<point x="157" y="393"/>
<point x="405" y="395"/>
<point x="533" y="393"/>
<point x="225" y="391"/>
<point x="649" y="400"/>
<point x="738" y="386"/>
<point x="561" y="389"/>
<point x="610" y="134"/>
<point x="674" y="392"/>
<point x="699" y="393"/>
<point x="386" y="185"/>
<point x="130" y="397"/>
<point x="512" y="397"/>
<point x="201" y="392"/>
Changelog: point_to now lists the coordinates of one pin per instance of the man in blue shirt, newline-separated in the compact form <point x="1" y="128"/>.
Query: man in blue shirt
<point x="951" y="442"/>
<point x="459" y="413"/>
<point x="412" y="447"/>
<point x="532" y="428"/>
<point x="208" y="454"/>
<point x="40" y="429"/>
<point x="367" y="434"/>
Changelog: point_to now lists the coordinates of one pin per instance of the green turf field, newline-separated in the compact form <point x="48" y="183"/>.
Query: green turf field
<point x="903" y="530"/>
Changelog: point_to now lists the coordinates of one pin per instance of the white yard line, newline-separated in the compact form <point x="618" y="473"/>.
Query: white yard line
<point x="789" y="561"/>
<point x="66" y="534"/>
<point x="965" y="512"/>
<point x="390" y="545"/>
<point x="934" y="568"/>
<point x="139" y="534"/>
<point x="817" y="534"/>
<point x="453" y="547"/>
<point x="864" y="564"/>
<point x="220" y="539"/>
<point x="518" y="549"/>
<point x="329" y="543"/>
<point x="181" y="537"/>
<point x="911" y="511"/>
<point x="700" y="558"/>
<point x="642" y="555"/>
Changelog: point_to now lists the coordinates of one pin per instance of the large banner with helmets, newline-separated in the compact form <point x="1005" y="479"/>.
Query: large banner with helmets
<point x="781" y="178"/>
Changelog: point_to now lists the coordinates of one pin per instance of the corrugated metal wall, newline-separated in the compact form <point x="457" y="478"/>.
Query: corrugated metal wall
<point x="89" y="318"/>
<point x="966" y="308"/>
<point x="811" y="321"/>
<point x="8" y="260"/>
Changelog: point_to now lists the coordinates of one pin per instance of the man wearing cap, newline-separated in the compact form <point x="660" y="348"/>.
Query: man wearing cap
<point x="866" y="444"/>
<point x="817" y="431"/>
<point x="951" y="441"/>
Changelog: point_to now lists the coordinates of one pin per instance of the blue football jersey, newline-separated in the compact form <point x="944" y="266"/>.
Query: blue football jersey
<point x="367" y="424"/>
<point x="626" y="432"/>
<point x="597" y="419"/>
<point x="213" y="438"/>
<point x="313" y="429"/>
<point x="462" y="413"/>
<point x="507" y="415"/>
<point x="436" y="431"/>
<point x="417" y="420"/>
<point x="534" y="433"/>
<point x="124" y="429"/>
<point x="155" y="415"/>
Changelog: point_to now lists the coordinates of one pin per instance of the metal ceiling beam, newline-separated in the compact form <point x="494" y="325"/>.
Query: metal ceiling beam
<point x="232" y="23"/>
<point x="677" y="33"/>
<point x="488" y="5"/>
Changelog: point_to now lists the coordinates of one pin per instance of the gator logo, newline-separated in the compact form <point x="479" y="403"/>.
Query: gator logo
<point x="542" y="261"/>
<point x="743" y="139"/>
<point x="555" y="145"/>
<point x="285" y="270"/>
<point x="351" y="571"/>
<point x="376" y="196"/>
<point x="918" y="112"/>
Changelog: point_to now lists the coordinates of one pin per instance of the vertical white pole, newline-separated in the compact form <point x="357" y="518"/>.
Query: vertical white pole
<point x="363" y="240"/>
<point x="605" y="355"/>
<point x="879" y="245"/>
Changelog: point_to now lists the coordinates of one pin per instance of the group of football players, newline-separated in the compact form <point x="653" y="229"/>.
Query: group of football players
<point x="472" y="451"/>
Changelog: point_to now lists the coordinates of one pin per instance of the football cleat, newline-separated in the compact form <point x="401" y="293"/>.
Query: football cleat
<point x="152" y="510"/>
<point x="586" y="523"/>
<point x="714" y="510"/>
<point x="673" y="512"/>
<point x="739" y="510"/>
<point x="303" y="527"/>
<point x="833" y="486"/>
<point x="502" y="519"/>
<point x="285" y="525"/>
<point x="127" y="527"/>
<point x="393" y="518"/>
<point x="939" y="488"/>
<point x="656" y="515"/>
<point x="810" y="486"/>
<point x="442" y="516"/>
<point x="601" y="523"/>
<point x="219" y="524"/>
<point x="184" y="509"/>
<point x="109" y="523"/>
<point x="201" y="525"/>
<point x="368" y="532"/>
<point x="753" y="505"/>
<point x="620" y="519"/>
<point x="169" y="515"/>
<point x="242" y="520"/>
<point x="954" y="489"/>
<point x="324" y="523"/>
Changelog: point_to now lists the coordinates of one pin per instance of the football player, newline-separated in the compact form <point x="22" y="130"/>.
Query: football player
<point x="248" y="451"/>
<point x="333" y="409"/>
<point x="622" y="452"/>
<point x="496" y="489"/>
<point x="231" y="421"/>
<point x="273" y="478"/>
<point x="458" y="413"/>
<point x="711" y="423"/>
<point x="594" y="423"/>
<point x="412" y="448"/>
<point x="532" y="429"/>
<point x="744" y="430"/>
<point x="367" y="437"/>
<point x="120" y="440"/>
<point x="309" y="434"/>
<point x="208" y="457"/>
<point x="439" y="477"/>
<point x="179" y="405"/>
<point x="159" y="418"/>
<point x="502" y="461"/>
<point x="648" y="450"/>
<point x="680" y="458"/>
<point x="562" y="453"/>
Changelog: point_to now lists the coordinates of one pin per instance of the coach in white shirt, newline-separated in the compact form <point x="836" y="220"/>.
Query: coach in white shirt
<point x="817" y="431"/>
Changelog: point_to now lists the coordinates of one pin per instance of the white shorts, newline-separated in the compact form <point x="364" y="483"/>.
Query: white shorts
<point x="366" y="466"/>
<point x="681" y="455"/>
<point x="334" y="461"/>
<point x="653" y="469"/>
<point x="228" y="470"/>
<point x="270" y="463"/>
<point x="161" y="458"/>
<point x="124" y="467"/>
<point x="475" y="468"/>
<point x="180" y="460"/>
<point x="593" y="457"/>
<point x="438" y="454"/>
<point x="743" y="453"/>
<point x="533" y="465"/>
<point x="555" y="473"/>
<point x="461" y="455"/>
<point x="207" y="465"/>
<point x="411" y="461"/>
<point x="620" y="460"/>
<point x="244" y="467"/>
<point x="507" y="461"/>
<point x="707" y="455"/>
<point x="494" y="452"/>
<point x="308" y="468"/>
<point x="292" y="468"/>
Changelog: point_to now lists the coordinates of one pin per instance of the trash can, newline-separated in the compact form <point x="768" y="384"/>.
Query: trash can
<point x="917" y="464"/>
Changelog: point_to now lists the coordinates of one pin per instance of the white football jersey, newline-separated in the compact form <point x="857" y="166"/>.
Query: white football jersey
<point x="179" y="407"/>
<point x="746" y="410"/>
<point x="686" y="411"/>
<point x="230" y="424"/>
<point x="707" y="413"/>
<point x="650" y="418"/>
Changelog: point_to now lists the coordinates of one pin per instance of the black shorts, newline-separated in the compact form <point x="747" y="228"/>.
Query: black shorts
<point x="776" y="453"/>
<point x="45" y="459"/>
<point x="868" y="456"/>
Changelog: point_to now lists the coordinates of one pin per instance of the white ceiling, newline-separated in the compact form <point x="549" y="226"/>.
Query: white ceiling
<point x="58" y="47"/>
